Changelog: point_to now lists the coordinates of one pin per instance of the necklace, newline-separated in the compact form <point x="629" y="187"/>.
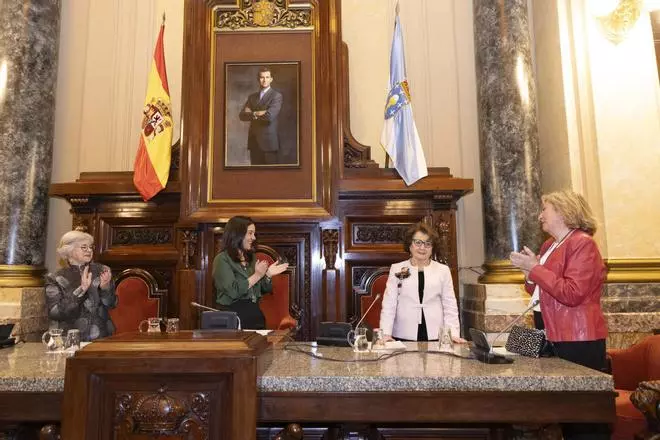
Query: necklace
<point x="570" y="231"/>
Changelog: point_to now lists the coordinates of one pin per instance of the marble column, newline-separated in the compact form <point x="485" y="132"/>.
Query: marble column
<point x="508" y="135"/>
<point x="29" y="43"/>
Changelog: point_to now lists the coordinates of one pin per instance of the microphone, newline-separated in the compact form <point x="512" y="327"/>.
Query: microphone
<point x="335" y="333"/>
<point x="518" y="318"/>
<point x="221" y="315"/>
<point x="199" y="306"/>
<point x="364" y="315"/>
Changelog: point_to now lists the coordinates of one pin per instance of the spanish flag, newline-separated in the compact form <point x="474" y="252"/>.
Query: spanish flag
<point x="152" y="163"/>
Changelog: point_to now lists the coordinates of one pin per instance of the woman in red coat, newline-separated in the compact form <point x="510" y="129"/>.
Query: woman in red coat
<point x="568" y="276"/>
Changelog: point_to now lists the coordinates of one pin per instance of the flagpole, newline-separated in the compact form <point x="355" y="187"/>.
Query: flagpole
<point x="387" y="155"/>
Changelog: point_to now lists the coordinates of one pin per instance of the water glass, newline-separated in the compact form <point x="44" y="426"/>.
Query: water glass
<point x="378" y="340"/>
<point x="445" y="342"/>
<point x="150" y="325"/>
<point x="72" y="340"/>
<point x="53" y="341"/>
<point x="172" y="325"/>
<point x="358" y="339"/>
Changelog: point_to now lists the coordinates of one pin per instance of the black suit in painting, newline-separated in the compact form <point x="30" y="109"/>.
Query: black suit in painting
<point x="263" y="136"/>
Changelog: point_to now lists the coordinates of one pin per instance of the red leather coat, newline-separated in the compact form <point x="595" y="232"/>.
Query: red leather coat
<point x="571" y="283"/>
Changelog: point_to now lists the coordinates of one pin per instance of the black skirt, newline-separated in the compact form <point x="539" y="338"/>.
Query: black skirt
<point x="249" y="313"/>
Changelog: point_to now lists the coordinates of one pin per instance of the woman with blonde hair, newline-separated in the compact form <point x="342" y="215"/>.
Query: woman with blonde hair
<point x="567" y="277"/>
<point x="80" y="293"/>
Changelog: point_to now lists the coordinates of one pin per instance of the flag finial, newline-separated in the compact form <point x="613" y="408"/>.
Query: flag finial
<point x="163" y="17"/>
<point x="396" y="8"/>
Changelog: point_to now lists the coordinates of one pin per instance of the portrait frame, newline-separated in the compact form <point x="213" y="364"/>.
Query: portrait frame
<point x="261" y="142"/>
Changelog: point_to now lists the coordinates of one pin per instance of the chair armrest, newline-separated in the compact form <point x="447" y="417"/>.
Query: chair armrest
<point x="628" y="366"/>
<point x="286" y="323"/>
<point x="646" y="398"/>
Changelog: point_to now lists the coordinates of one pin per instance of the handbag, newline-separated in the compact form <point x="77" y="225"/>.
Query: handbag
<point x="528" y="342"/>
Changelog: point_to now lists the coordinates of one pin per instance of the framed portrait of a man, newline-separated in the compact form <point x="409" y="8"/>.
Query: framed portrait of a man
<point x="262" y="115"/>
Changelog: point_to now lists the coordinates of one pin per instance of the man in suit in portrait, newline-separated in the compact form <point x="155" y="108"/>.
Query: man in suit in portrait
<point x="261" y="110"/>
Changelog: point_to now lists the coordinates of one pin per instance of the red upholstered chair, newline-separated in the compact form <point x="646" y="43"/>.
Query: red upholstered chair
<point x="372" y="283"/>
<point x="639" y="363"/>
<point x="278" y="307"/>
<point x="139" y="297"/>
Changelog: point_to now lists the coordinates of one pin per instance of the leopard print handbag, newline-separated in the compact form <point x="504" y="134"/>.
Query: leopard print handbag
<point x="526" y="341"/>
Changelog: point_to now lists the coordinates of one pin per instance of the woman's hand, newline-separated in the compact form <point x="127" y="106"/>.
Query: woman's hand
<point x="387" y="338"/>
<point x="261" y="267"/>
<point x="458" y="340"/>
<point x="524" y="260"/>
<point x="105" y="278"/>
<point x="276" y="269"/>
<point x="85" y="280"/>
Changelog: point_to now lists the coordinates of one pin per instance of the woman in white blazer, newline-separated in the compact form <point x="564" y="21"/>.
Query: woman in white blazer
<point x="419" y="295"/>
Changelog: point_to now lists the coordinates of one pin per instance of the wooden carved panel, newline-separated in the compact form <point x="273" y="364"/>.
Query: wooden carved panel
<point x="163" y="414"/>
<point x="126" y="236"/>
<point x="378" y="233"/>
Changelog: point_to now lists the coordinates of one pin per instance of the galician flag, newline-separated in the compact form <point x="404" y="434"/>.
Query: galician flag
<point x="152" y="163"/>
<point x="400" y="138"/>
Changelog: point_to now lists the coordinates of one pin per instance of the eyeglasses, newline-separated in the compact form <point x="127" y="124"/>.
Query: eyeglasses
<point x="85" y="248"/>
<point x="420" y="243"/>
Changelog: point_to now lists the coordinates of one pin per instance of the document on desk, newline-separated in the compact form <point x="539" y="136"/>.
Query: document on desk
<point x="390" y="345"/>
<point x="503" y="351"/>
<point x="261" y="332"/>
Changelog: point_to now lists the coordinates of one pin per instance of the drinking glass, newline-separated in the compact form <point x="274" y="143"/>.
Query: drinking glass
<point x="358" y="339"/>
<point x="52" y="339"/>
<point x="378" y="340"/>
<point x="72" y="340"/>
<point x="172" y="325"/>
<point x="150" y="325"/>
<point x="445" y="343"/>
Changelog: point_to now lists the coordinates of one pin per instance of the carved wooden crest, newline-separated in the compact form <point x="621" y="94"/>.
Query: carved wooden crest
<point x="251" y="14"/>
<point x="162" y="413"/>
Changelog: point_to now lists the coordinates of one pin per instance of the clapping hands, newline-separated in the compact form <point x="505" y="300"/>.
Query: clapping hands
<point x="276" y="268"/>
<point x="85" y="280"/>
<point x="105" y="277"/>
<point x="263" y="268"/>
<point x="525" y="260"/>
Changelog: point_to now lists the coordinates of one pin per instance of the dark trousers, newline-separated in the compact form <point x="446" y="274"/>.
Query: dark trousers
<point x="249" y="313"/>
<point x="538" y="321"/>
<point x="590" y="354"/>
<point x="258" y="157"/>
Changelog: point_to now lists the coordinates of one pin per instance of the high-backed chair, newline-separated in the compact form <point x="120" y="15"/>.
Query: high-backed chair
<point x="372" y="284"/>
<point x="278" y="307"/>
<point x="631" y="366"/>
<point x="139" y="297"/>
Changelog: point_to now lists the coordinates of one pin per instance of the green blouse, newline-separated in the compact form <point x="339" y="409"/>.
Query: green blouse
<point x="231" y="280"/>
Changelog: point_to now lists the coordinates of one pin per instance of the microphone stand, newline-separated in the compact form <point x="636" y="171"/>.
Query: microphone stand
<point x="199" y="306"/>
<point x="534" y="304"/>
<point x="368" y="309"/>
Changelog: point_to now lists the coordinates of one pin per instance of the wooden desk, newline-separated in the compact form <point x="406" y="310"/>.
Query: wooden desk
<point x="418" y="392"/>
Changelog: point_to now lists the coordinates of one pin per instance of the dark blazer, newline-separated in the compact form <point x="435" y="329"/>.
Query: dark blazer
<point x="263" y="134"/>
<point x="571" y="282"/>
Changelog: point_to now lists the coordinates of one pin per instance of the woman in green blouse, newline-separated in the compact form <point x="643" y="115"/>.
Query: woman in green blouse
<point x="239" y="278"/>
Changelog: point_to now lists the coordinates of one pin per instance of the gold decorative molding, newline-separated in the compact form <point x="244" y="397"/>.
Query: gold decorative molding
<point x="630" y="270"/>
<point x="633" y="270"/>
<point x="501" y="272"/>
<point x="621" y="20"/>
<point x="262" y="15"/>
<point x="20" y="275"/>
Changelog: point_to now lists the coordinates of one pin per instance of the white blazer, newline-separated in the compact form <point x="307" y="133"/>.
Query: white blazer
<point x="402" y="312"/>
